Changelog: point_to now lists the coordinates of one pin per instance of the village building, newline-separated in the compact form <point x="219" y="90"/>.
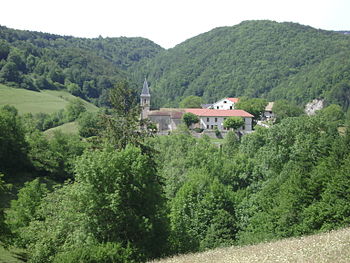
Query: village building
<point x="268" y="114"/>
<point x="211" y="119"/>
<point x="168" y="119"/>
<point x="224" y="104"/>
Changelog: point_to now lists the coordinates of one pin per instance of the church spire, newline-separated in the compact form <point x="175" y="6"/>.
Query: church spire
<point x="145" y="89"/>
<point x="145" y="100"/>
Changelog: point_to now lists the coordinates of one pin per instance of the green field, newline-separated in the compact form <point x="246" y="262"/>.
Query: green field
<point x="13" y="255"/>
<point x="46" y="101"/>
<point x="70" y="128"/>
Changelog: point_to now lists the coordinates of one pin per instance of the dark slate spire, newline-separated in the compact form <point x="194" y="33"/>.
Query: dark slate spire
<point x="145" y="89"/>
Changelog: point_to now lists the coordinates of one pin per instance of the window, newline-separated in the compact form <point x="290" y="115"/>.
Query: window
<point x="216" y="119"/>
<point x="207" y="119"/>
<point x="217" y="107"/>
<point x="225" y="101"/>
<point x="208" y="126"/>
<point x="230" y="107"/>
<point x="212" y="126"/>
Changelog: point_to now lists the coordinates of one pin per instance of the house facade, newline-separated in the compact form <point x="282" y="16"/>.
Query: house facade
<point x="211" y="119"/>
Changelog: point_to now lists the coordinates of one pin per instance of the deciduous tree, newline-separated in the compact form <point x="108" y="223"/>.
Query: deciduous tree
<point x="233" y="122"/>
<point x="189" y="118"/>
<point x="191" y="102"/>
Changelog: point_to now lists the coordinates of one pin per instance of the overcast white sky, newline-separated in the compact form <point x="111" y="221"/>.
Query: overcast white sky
<point x="166" y="22"/>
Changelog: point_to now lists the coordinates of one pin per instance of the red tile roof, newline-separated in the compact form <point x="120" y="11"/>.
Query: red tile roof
<point x="219" y="113"/>
<point x="234" y="100"/>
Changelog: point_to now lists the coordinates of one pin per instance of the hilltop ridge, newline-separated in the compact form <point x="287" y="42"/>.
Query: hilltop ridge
<point x="259" y="58"/>
<point x="255" y="59"/>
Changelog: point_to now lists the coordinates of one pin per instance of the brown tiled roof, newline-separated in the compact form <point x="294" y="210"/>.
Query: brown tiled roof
<point x="159" y="113"/>
<point x="173" y="113"/>
<point x="177" y="114"/>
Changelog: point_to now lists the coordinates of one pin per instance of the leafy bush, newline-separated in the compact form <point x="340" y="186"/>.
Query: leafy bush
<point x="233" y="122"/>
<point x="24" y="209"/>
<point x="202" y="214"/>
<point x="198" y="130"/>
<point x="189" y="118"/>
<point x="101" y="253"/>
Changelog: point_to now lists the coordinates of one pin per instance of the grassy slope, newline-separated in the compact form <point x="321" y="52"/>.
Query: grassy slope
<point x="11" y="255"/>
<point x="47" y="101"/>
<point x="327" y="247"/>
<point x="70" y="128"/>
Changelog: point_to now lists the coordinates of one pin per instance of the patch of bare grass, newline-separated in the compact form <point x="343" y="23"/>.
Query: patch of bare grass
<point x="332" y="246"/>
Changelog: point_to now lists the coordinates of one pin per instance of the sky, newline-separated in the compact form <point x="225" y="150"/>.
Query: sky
<point x="166" y="22"/>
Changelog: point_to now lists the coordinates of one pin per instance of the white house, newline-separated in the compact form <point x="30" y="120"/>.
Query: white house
<point x="224" y="104"/>
<point x="212" y="118"/>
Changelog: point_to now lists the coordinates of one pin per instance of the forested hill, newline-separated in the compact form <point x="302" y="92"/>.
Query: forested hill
<point x="255" y="59"/>
<point x="85" y="67"/>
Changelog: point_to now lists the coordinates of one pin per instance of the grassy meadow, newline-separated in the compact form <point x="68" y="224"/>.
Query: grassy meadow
<point x="13" y="255"/>
<point x="70" y="128"/>
<point x="47" y="101"/>
<point x="329" y="247"/>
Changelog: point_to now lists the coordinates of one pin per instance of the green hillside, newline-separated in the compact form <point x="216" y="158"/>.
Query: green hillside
<point x="256" y="59"/>
<point x="46" y="101"/>
<point x="87" y="68"/>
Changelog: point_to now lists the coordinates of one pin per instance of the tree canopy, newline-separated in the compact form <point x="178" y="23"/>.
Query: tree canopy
<point x="233" y="122"/>
<point x="254" y="106"/>
<point x="191" y="102"/>
<point x="255" y="59"/>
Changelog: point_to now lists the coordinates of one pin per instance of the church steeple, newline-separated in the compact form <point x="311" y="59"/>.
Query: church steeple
<point x="145" y="89"/>
<point x="145" y="100"/>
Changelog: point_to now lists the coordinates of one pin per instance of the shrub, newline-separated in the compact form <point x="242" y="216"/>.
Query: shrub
<point x="198" y="130"/>
<point x="101" y="253"/>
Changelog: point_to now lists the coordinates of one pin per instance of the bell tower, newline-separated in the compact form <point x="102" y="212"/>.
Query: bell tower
<point x="145" y="100"/>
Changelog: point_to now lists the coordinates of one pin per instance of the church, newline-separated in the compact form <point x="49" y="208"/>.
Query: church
<point x="211" y="118"/>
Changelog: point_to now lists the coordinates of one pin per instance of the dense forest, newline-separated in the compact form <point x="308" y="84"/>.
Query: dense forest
<point x="87" y="68"/>
<point x="116" y="192"/>
<point x="255" y="59"/>
<point x="125" y="195"/>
